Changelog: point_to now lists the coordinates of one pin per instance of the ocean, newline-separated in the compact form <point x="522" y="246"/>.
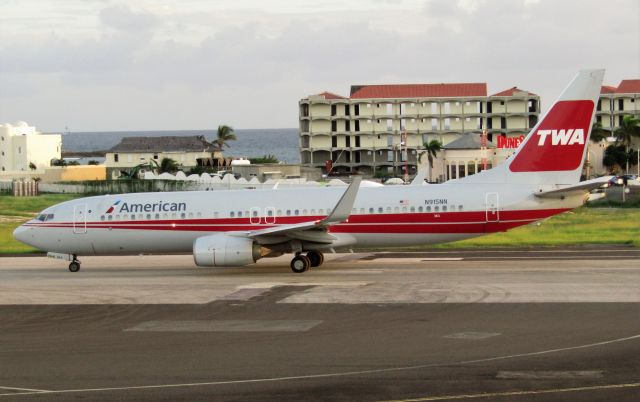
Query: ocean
<point x="281" y="142"/>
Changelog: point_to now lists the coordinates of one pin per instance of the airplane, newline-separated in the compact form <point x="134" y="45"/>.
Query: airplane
<point x="233" y="228"/>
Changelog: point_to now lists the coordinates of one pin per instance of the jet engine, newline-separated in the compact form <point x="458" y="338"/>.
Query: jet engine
<point x="223" y="250"/>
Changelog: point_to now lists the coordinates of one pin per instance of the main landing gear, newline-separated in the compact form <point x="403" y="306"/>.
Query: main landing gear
<point x="74" y="266"/>
<point x="301" y="263"/>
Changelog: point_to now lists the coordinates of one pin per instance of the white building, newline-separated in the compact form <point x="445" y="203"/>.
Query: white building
<point x="21" y="145"/>
<point x="364" y="132"/>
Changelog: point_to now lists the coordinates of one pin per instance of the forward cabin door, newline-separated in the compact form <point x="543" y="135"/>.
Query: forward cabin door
<point x="492" y="211"/>
<point x="80" y="218"/>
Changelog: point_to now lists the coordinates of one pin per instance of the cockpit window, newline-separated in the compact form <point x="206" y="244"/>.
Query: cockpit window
<point x="44" y="217"/>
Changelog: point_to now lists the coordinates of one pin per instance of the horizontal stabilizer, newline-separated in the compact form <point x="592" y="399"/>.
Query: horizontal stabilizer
<point x="582" y="187"/>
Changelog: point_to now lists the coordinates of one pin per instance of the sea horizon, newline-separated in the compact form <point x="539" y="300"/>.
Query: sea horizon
<point x="251" y="142"/>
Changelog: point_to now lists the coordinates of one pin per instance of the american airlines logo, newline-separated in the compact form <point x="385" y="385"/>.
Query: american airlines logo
<point x="561" y="137"/>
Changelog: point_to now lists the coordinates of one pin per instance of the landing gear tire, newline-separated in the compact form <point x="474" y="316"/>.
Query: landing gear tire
<point x="300" y="264"/>
<point x="74" y="266"/>
<point x="316" y="258"/>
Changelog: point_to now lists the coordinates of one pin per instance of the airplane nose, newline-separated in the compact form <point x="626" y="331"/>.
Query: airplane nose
<point x="20" y="234"/>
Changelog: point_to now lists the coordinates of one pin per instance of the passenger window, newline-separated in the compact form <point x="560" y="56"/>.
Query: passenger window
<point x="370" y="210"/>
<point x="232" y="214"/>
<point x="279" y="212"/>
<point x="459" y="207"/>
<point x="110" y="217"/>
<point x="190" y="215"/>
<point x="436" y="209"/>
<point x="255" y="213"/>
<point x="239" y="214"/>
<point x="396" y="209"/>
<point x="149" y="216"/>
<point x="215" y="214"/>
<point x="444" y="208"/>
<point x="182" y="215"/>
<point x="50" y="217"/>
<point x="199" y="214"/>
<point x="173" y="215"/>
<point x="313" y="212"/>
<point x="388" y="210"/>
<point x="361" y="211"/>
<point x="420" y="209"/>
<point x="288" y="212"/>
<point x="157" y="216"/>
<point x="321" y="211"/>
<point x="304" y="212"/>
<point x="380" y="210"/>
<point x="166" y="216"/>
<point x="297" y="212"/>
<point x="269" y="212"/>
<point x="101" y="218"/>
<point x="429" y="209"/>
<point x="404" y="209"/>
<point x="412" y="209"/>
<point x="117" y="217"/>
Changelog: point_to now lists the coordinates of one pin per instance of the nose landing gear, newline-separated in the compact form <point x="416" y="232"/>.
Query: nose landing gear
<point x="74" y="266"/>
<point x="301" y="263"/>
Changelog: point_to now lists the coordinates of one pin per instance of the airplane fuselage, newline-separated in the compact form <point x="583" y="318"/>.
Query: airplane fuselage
<point x="381" y="216"/>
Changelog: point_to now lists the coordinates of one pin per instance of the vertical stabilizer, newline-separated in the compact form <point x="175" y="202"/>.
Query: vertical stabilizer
<point x="554" y="150"/>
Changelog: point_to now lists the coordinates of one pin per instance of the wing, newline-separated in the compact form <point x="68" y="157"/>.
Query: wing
<point x="582" y="187"/>
<point x="315" y="230"/>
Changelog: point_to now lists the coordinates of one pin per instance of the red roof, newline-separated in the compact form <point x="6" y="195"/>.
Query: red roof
<point x="418" y="90"/>
<point x="608" y="89"/>
<point x="512" y="91"/>
<point x="629" y="87"/>
<point x="329" y="95"/>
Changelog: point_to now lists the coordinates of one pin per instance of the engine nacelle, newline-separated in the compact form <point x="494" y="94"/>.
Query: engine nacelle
<point x="222" y="250"/>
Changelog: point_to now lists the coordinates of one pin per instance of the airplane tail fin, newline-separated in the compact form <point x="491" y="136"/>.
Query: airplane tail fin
<point x="554" y="150"/>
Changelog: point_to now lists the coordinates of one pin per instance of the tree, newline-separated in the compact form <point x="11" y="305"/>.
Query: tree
<point x="168" y="165"/>
<point x="93" y="162"/>
<point x="265" y="159"/>
<point x="625" y="134"/>
<point x="32" y="166"/>
<point x="598" y="133"/>
<point x="431" y="149"/>
<point x="224" y="135"/>
<point x="614" y="157"/>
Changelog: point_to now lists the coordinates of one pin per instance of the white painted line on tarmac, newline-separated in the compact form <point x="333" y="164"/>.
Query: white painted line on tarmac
<point x="472" y="335"/>
<point x="225" y="326"/>
<point x="548" y="375"/>
<point x="23" y="389"/>
<point x="372" y="371"/>
<point x="443" y="259"/>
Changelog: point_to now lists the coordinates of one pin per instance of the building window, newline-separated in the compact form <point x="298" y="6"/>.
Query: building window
<point x="155" y="156"/>
<point x="356" y="110"/>
<point x="346" y="110"/>
<point x="334" y="126"/>
<point x="334" y="141"/>
<point x="357" y="124"/>
<point x="347" y="125"/>
<point x="333" y="110"/>
<point x="19" y="150"/>
<point x="116" y="158"/>
<point x="503" y="122"/>
<point x="620" y="104"/>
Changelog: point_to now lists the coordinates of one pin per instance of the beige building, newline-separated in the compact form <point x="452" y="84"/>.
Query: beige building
<point x="187" y="151"/>
<point x="21" y="145"/>
<point x="364" y="132"/>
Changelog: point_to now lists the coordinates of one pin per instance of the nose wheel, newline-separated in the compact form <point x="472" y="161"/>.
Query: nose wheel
<point x="74" y="266"/>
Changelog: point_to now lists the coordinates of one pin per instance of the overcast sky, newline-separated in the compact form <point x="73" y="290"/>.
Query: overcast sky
<point x="93" y="65"/>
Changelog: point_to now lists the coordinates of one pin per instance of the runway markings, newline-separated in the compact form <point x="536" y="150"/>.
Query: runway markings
<point x="472" y="335"/>
<point x="226" y="326"/>
<point x="548" y="375"/>
<point x="518" y="393"/>
<point x="22" y="389"/>
<point x="443" y="259"/>
<point x="372" y="371"/>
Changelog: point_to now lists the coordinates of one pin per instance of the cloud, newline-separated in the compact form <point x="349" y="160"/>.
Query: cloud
<point x="183" y="66"/>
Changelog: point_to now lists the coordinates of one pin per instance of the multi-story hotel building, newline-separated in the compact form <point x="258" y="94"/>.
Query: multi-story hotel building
<point x="365" y="132"/>
<point x="617" y="102"/>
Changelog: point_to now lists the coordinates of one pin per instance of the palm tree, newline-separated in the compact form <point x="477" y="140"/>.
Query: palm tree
<point x="598" y="133"/>
<point x="225" y="134"/>
<point x="625" y="134"/>
<point x="431" y="149"/>
<point x="168" y="165"/>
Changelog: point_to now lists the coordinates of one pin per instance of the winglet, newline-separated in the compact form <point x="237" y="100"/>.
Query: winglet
<point x="342" y="210"/>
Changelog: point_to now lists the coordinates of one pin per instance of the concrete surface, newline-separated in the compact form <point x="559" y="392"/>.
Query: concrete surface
<point x="487" y="325"/>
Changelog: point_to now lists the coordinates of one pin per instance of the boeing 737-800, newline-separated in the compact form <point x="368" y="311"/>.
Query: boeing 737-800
<point x="237" y="227"/>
